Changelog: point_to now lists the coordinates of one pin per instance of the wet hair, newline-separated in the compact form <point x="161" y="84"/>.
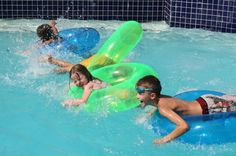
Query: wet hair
<point x="45" y="32"/>
<point x="150" y="81"/>
<point x="83" y="70"/>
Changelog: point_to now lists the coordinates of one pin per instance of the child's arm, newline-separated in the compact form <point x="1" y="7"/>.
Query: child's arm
<point x="75" y="102"/>
<point x="181" y="125"/>
<point x="61" y="70"/>
<point x="52" y="23"/>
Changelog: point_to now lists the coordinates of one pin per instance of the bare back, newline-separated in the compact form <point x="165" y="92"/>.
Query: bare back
<point x="95" y="84"/>
<point x="180" y="106"/>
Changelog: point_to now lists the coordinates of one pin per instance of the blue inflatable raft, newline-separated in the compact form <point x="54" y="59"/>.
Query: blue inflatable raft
<point x="204" y="129"/>
<point x="77" y="40"/>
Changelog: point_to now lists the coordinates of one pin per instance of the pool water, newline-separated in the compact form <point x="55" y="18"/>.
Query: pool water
<point x="33" y="121"/>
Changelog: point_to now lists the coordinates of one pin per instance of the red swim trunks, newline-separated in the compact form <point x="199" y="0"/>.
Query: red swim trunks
<point x="216" y="104"/>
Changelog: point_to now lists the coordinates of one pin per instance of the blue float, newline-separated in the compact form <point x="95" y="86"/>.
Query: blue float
<point x="204" y="129"/>
<point x="77" y="40"/>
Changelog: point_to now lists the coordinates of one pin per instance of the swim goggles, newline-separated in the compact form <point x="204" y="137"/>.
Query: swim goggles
<point x="141" y="90"/>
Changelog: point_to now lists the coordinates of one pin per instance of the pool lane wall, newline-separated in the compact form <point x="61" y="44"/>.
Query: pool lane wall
<point x="214" y="15"/>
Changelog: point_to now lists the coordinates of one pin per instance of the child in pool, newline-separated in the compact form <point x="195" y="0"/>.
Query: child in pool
<point x="83" y="78"/>
<point x="149" y="93"/>
<point x="48" y="33"/>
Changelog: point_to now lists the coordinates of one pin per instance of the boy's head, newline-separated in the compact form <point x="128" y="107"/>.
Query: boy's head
<point x="45" y="32"/>
<point x="148" y="89"/>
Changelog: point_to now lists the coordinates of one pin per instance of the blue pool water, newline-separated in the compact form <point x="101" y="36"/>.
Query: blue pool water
<point x="33" y="122"/>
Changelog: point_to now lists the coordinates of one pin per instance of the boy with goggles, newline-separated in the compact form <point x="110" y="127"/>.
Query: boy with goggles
<point x="149" y="93"/>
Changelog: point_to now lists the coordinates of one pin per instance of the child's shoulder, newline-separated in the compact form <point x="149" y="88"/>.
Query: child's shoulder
<point x="98" y="84"/>
<point x="166" y="100"/>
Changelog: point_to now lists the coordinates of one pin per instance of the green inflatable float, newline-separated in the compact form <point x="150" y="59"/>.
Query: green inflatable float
<point x="118" y="45"/>
<point x="122" y="77"/>
<point x="121" y="94"/>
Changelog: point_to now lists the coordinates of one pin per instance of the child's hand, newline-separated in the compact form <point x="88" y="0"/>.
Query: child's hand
<point x="161" y="141"/>
<point x="69" y="103"/>
<point x="52" y="23"/>
<point x="158" y="141"/>
<point x="72" y="102"/>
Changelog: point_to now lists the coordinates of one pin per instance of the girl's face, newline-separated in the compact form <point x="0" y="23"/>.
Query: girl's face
<point x="79" y="79"/>
<point x="144" y="95"/>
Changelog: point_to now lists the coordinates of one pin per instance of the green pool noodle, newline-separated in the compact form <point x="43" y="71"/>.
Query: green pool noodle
<point x="118" y="45"/>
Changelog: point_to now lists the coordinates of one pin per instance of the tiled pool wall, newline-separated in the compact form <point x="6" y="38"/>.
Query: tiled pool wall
<point x="215" y="15"/>
<point x="140" y="10"/>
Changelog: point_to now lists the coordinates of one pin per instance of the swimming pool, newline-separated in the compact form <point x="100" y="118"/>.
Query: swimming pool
<point x="33" y="122"/>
